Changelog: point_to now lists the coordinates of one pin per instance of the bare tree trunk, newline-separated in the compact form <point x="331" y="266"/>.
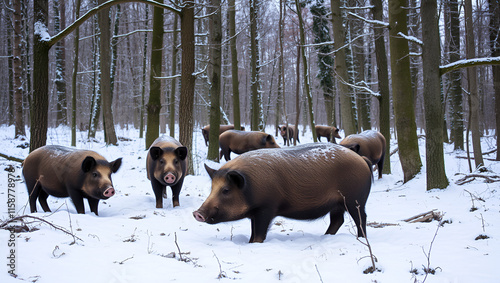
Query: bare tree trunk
<point x="186" y="103"/>
<point x="76" y="46"/>
<point x="40" y="103"/>
<point x="18" y="71"/>
<point x="95" y="106"/>
<point x="307" y="86"/>
<point x="154" y="103"/>
<point x="234" y="65"/>
<point x="173" y="88"/>
<point x="346" y="108"/>
<point x="60" y="75"/>
<point x="436" y="175"/>
<point x="143" y="89"/>
<point x="107" y="96"/>
<point x="402" y="91"/>
<point x="215" y="40"/>
<point x="494" y="7"/>
<point x="383" y="84"/>
<point x="472" y="79"/>
<point x="297" y="101"/>
<point x="257" y="122"/>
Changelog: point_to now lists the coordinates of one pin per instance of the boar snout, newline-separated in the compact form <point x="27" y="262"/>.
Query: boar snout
<point x="109" y="192"/>
<point x="198" y="216"/>
<point x="169" y="178"/>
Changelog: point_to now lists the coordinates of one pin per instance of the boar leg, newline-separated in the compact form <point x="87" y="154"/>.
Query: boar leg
<point x="336" y="219"/>
<point x="176" y="190"/>
<point x="34" y="191"/>
<point x="93" y="203"/>
<point x="77" y="199"/>
<point x="260" y="225"/>
<point x="358" y="214"/>
<point x="42" y="198"/>
<point x="158" y="189"/>
<point x="380" y="165"/>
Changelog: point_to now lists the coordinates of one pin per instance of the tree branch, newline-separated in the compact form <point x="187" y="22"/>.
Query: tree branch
<point x="468" y="63"/>
<point x="11" y="158"/>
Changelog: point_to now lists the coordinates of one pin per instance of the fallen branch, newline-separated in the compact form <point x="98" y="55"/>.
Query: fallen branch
<point x="11" y="158"/>
<point x="471" y="177"/>
<point x="425" y="217"/>
<point x="4" y="224"/>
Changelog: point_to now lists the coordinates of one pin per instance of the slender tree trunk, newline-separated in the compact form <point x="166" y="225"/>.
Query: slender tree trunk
<point x="472" y="79"/>
<point x="494" y="8"/>
<point x="107" y="96"/>
<point x="257" y="121"/>
<point x="281" y="74"/>
<point x="40" y="103"/>
<point x="143" y="89"/>
<point x="114" y="48"/>
<point x="307" y="86"/>
<point x="383" y="84"/>
<point x="95" y="106"/>
<point x="436" y="175"/>
<point x="346" y="102"/>
<point x="297" y="100"/>
<point x="186" y="103"/>
<point x="215" y="40"/>
<point x="60" y="75"/>
<point x="234" y="65"/>
<point x="173" y="89"/>
<point x="76" y="46"/>
<point x="154" y="103"/>
<point x="10" y="47"/>
<point x="402" y="91"/>
<point x="18" y="71"/>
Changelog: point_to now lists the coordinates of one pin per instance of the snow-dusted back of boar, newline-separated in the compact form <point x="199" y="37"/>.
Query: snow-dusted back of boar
<point x="62" y="171"/>
<point x="327" y="132"/>
<point x="240" y="142"/>
<point x="370" y="144"/>
<point x="166" y="165"/>
<point x="302" y="182"/>
<point x="205" y="131"/>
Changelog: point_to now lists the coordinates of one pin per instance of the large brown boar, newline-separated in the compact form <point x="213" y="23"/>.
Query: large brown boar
<point x="62" y="171"/>
<point x="240" y="142"/>
<point x="302" y="182"/>
<point x="166" y="165"/>
<point x="327" y="132"/>
<point x="292" y="134"/>
<point x="370" y="144"/>
<point x="205" y="131"/>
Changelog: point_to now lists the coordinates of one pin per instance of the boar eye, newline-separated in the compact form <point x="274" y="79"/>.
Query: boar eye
<point x="94" y="174"/>
<point x="176" y="161"/>
<point x="161" y="161"/>
<point x="225" y="191"/>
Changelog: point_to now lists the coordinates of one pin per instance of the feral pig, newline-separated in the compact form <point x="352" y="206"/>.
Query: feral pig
<point x="327" y="132"/>
<point x="240" y="142"/>
<point x="205" y="131"/>
<point x="292" y="134"/>
<point x="370" y="144"/>
<point x="166" y="165"/>
<point x="302" y="182"/>
<point x="62" y="171"/>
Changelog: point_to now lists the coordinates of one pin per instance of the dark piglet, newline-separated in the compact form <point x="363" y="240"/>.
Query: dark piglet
<point x="240" y="142"/>
<point x="62" y="171"/>
<point x="166" y="165"/>
<point x="302" y="182"/>
<point x="370" y="144"/>
<point x="205" y="131"/>
<point x="292" y="134"/>
<point x="328" y="132"/>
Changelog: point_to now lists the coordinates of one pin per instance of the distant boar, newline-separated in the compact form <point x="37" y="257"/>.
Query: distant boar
<point x="240" y="142"/>
<point x="166" y="165"/>
<point x="205" y="131"/>
<point x="302" y="182"/>
<point x="370" y="144"/>
<point x="62" y="171"/>
<point x="291" y="134"/>
<point x="327" y="132"/>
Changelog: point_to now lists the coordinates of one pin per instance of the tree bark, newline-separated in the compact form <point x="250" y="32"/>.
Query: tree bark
<point x="436" y="175"/>
<point x="186" y="103"/>
<point x="234" y="65"/>
<point x="472" y="79"/>
<point x="173" y="88"/>
<point x="215" y="40"/>
<point x="383" y="83"/>
<point x="257" y="122"/>
<point x="402" y="91"/>
<point x="60" y="75"/>
<point x="154" y="104"/>
<point x="494" y="9"/>
<point x="143" y="88"/>
<point x="76" y="47"/>
<point x="346" y="101"/>
<point x="18" y="71"/>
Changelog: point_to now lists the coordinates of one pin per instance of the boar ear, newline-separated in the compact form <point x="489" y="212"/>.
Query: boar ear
<point x="115" y="165"/>
<point x="236" y="178"/>
<point x="88" y="163"/>
<point x="155" y="152"/>
<point x="210" y="171"/>
<point x="355" y="147"/>
<point x="269" y="138"/>
<point x="181" y="152"/>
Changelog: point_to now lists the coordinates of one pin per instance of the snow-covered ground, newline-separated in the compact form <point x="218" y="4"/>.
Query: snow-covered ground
<point x="132" y="241"/>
